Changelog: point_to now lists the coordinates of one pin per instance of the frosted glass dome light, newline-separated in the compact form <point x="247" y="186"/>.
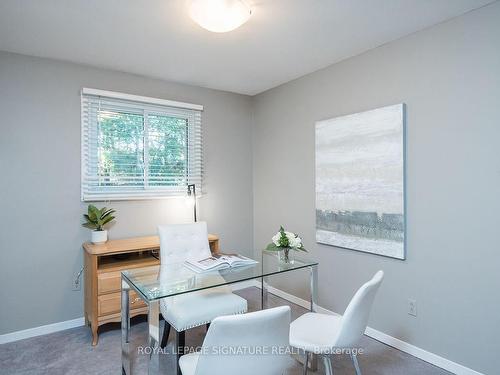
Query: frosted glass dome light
<point x="219" y="16"/>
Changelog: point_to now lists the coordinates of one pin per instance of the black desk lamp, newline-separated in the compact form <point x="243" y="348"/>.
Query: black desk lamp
<point x="192" y="193"/>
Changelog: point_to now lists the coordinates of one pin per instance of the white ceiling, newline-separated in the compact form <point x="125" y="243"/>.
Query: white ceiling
<point x="283" y="40"/>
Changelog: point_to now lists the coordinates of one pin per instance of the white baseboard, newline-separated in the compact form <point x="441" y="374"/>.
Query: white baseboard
<point x="413" y="350"/>
<point x="424" y="355"/>
<point x="42" y="330"/>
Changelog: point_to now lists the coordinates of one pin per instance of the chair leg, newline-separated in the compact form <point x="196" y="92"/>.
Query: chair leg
<point x="181" y="343"/>
<point x="328" y="365"/>
<point x="166" y="332"/>
<point x="356" y="364"/>
<point x="306" y="360"/>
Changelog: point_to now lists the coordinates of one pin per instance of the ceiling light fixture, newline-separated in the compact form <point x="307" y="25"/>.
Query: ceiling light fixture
<point x="219" y="16"/>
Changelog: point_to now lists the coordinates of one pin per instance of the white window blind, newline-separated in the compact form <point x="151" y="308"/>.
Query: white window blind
<point x="136" y="147"/>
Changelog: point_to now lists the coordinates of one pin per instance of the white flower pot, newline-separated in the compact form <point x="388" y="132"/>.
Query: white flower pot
<point x="99" y="236"/>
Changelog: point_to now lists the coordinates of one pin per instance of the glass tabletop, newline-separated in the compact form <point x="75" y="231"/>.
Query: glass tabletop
<point x="172" y="279"/>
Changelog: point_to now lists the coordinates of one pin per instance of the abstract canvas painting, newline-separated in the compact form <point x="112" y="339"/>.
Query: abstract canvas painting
<point x="360" y="178"/>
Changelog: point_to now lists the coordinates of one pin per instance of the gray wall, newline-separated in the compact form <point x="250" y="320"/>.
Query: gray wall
<point x="449" y="77"/>
<point x="40" y="215"/>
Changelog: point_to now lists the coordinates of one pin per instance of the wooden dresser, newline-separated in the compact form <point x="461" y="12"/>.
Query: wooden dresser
<point x="102" y="283"/>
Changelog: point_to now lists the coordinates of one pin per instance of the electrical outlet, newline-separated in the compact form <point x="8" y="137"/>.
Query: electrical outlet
<point x="76" y="285"/>
<point x="412" y="307"/>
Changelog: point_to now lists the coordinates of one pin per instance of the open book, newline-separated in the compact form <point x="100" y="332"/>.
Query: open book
<point x="219" y="262"/>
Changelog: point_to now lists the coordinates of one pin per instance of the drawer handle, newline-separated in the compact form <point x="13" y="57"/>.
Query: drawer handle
<point x="137" y="299"/>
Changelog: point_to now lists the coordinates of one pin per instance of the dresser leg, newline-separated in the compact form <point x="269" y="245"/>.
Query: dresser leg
<point x="95" y="335"/>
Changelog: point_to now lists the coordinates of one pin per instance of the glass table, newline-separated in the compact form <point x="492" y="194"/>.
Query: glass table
<point x="154" y="283"/>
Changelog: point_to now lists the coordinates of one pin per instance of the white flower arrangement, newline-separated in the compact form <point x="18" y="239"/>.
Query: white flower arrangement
<point x="285" y="240"/>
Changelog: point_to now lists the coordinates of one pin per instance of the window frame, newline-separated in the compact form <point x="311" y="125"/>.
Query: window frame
<point x="193" y="130"/>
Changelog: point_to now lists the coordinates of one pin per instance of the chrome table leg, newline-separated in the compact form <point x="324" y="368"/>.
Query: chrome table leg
<point x="313" y="284"/>
<point x="154" y="336"/>
<point x="313" y="275"/>
<point x="125" y="321"/>
<point x="263" y="293"/>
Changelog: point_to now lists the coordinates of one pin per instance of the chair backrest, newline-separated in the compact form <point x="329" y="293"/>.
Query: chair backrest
<point x="247" y="344"/>
<point x="179" y="242"/>
<point x="356" y="315"/>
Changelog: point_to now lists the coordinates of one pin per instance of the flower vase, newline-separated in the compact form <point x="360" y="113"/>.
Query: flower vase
<point x="286" y="255"/>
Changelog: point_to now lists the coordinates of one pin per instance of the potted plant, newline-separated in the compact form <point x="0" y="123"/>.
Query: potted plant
<point x="283" y="242"/>
<point x="95" y="220"/>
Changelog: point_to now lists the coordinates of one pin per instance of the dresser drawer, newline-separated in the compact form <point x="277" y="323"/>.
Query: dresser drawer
<point x="111" y="303"/>
<point x="109" y="282"/>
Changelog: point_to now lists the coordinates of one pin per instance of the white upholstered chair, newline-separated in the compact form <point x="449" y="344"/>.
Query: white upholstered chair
<point x="263" y="334"/>
<point x="178" y="243"/>
<point x="324" y="334"/>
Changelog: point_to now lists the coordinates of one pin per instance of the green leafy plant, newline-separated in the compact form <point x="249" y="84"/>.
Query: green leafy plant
<point x="285" y="240"/>
<point x="97" y="218"/>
